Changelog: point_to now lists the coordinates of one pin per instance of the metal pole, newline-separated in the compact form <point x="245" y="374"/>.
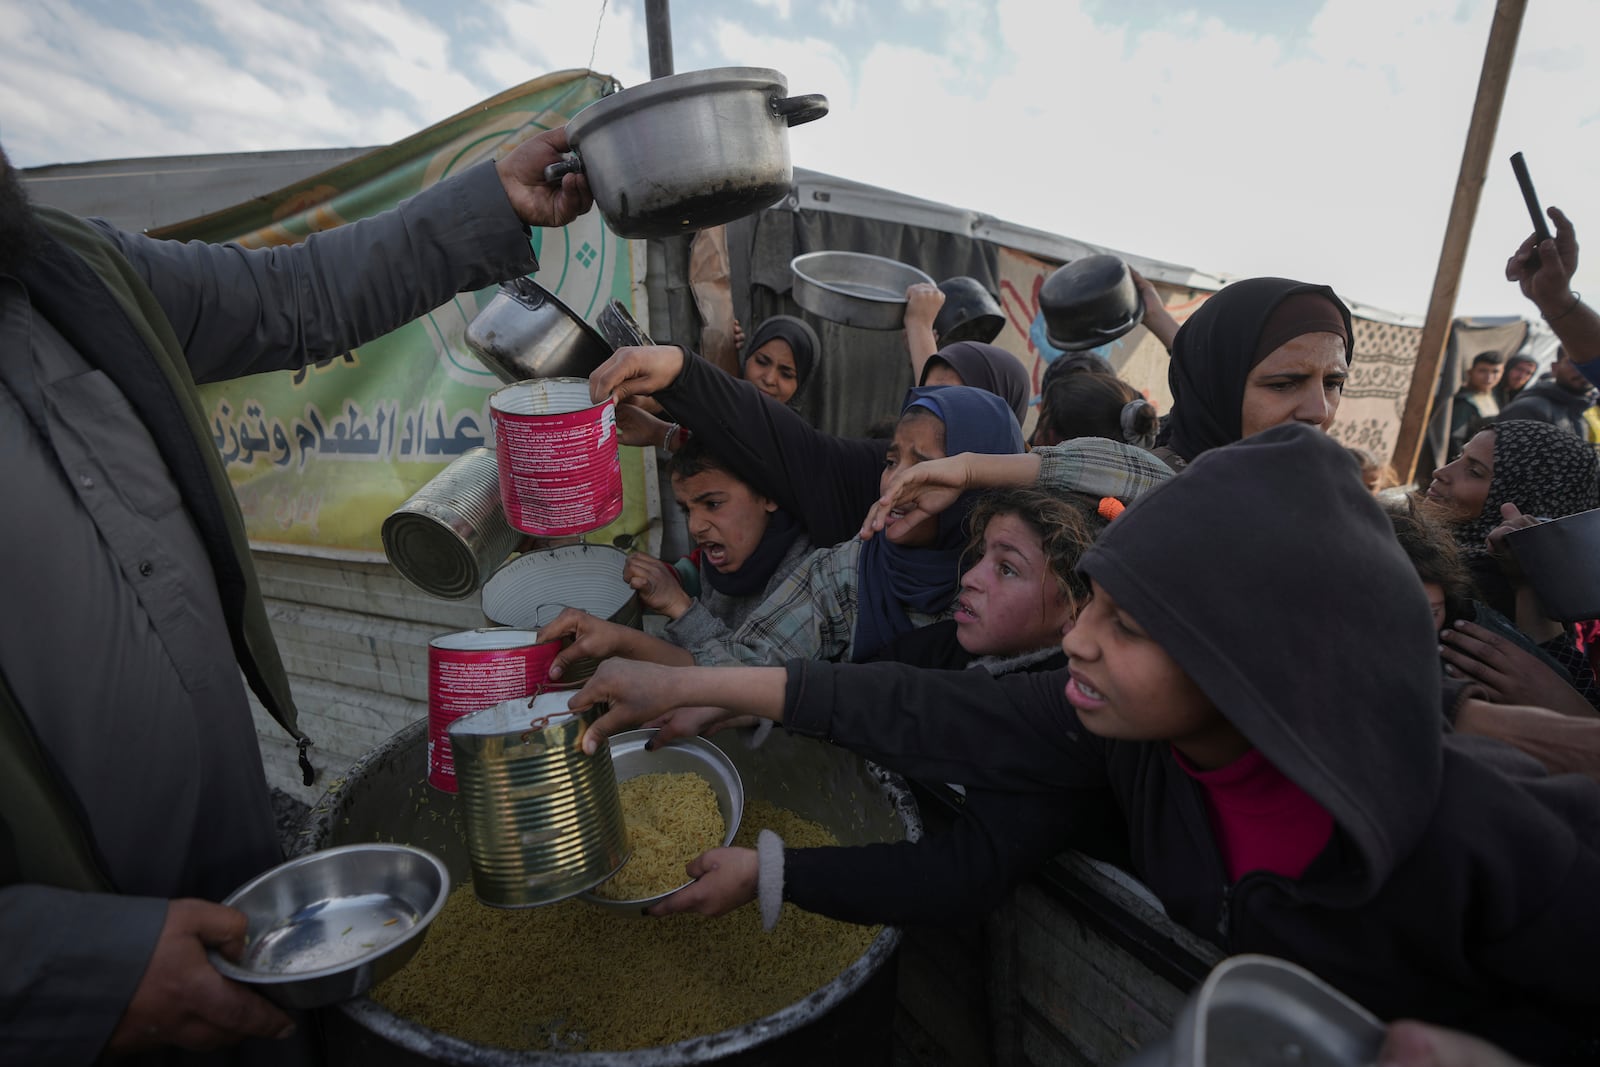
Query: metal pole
<point x="658" y="32"/>
<point x="1492" y="81"/>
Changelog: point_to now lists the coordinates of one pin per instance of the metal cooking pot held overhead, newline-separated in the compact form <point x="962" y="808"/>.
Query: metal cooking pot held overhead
<point x="688" y="151"/>
<point x="969" y="313"/>
<point x="1089" y="302"/>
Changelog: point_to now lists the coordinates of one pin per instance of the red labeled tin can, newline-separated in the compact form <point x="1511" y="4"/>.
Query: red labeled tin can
<point x="473" y="670"/>
<point x="560" y="470"/>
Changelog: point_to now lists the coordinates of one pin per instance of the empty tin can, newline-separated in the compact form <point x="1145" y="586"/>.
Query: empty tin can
<point x="451" y="535"/>
<point x="544" y="820"/>
<point x="560" y="471"/>
<point x="473" y="670"/>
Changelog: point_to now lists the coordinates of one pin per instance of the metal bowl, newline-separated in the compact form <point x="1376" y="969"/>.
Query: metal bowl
<point x="329" y="926"/>
<point x="854" y="288"/>
<point x="693" y="755"/>
<point x="1261" y="1011"/>
<point x="1558" y="557"/>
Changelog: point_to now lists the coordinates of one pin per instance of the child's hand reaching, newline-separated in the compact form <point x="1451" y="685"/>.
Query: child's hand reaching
<point x="727" y="878"/>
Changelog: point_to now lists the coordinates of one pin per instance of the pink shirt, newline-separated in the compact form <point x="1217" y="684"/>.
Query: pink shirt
<point x="1263" y="821"/>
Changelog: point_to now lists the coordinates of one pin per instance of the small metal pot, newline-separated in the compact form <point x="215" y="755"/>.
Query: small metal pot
<point x="525" y="332"/>
<point x="969" y="313"/>
<point x="688" y="151"/>
<point x="1089" y="302"/>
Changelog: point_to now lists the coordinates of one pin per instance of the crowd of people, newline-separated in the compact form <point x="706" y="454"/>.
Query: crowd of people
<point x="1320" y="717"/>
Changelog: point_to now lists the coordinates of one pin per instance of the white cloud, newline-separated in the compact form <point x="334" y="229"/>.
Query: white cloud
<point x="840" y="13"/>
<point x="1332" y="155"/>
<point x="780" y="8"/>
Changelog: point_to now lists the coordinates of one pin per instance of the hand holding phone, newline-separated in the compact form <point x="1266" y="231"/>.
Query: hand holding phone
<point x="1520" y="167"/>
<point x="1541" y="232"/>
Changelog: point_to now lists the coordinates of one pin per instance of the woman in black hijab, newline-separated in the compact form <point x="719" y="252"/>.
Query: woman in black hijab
<point x="1260" y="353"/>
<point x="987" y="367"/>
<point x="780" y="356"/>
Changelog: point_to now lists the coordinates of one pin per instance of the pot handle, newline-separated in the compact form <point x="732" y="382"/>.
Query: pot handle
<point x="570" y="164"/>
<point x="801" y="109"/>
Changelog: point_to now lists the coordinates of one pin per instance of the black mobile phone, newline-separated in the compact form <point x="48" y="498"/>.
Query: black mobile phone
<point x="1529" y="197"/>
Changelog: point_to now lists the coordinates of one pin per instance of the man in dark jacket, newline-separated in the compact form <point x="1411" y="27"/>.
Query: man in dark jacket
<point x="131" y="790"/>
<point x="1559" y="398"/>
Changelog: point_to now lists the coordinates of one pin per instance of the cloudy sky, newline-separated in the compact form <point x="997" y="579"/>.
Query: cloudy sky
<point x="1314" y="138"/>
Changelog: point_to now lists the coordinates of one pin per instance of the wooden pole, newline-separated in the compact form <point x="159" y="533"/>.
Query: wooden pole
<point x="1503" y="32"/>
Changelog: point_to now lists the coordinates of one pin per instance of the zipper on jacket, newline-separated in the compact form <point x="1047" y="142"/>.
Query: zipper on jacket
<point x="1223" y="918"/>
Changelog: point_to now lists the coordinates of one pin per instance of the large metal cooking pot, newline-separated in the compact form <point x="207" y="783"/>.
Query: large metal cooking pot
<point x="525" y="332"/>
<point x="688" y="151"/>
<point x="384" y="798"/>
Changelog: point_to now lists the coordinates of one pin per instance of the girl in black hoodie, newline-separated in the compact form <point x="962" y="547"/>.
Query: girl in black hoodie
<point x="1255" y="686"/>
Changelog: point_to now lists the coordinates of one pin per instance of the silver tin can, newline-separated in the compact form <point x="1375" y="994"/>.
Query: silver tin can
<point x="452" y="534"/>
<point x="544" y="820"/>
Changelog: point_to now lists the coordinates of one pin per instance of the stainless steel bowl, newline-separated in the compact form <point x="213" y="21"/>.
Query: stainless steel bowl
<point x="691" y="755"/>
<point x="1261" y="1011"/>
<point x="854" y="289"/>
<point x="329" y="926"/>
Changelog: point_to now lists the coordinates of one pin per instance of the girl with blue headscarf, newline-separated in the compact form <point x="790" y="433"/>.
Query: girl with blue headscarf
<point x="846" y="602"/>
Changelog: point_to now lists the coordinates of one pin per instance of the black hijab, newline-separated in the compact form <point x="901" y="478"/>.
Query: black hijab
<point x="990" y="368"/>
<point x="802" y="340"/>
<point x="1217" y="347"/>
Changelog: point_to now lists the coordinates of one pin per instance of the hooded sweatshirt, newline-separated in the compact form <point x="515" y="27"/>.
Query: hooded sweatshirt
<point x="1449" y="890"/>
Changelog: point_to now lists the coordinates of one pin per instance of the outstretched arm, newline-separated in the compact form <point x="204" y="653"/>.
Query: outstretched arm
<point x="240" y="310"/>
<point x="952" y="876"/>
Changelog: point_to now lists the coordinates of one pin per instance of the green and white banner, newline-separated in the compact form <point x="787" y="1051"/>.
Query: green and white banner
<point x="321" y="456"/>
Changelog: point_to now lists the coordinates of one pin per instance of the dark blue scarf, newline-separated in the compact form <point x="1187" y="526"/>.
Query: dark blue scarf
<point x="895" y="579"/>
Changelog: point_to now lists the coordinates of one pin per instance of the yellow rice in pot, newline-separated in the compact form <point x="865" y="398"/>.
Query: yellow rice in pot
<point x="671" y="819"/>
<point x="575" y="977"/>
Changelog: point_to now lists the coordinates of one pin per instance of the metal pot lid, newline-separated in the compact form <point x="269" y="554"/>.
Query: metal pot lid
<point x="672" y="87"/>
